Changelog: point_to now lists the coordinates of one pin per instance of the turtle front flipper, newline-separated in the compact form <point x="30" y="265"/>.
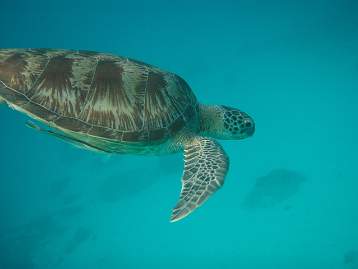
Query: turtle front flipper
<point x="205" y="168"/>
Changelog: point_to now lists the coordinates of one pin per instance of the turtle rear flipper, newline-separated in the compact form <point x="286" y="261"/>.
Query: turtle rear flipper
<point x="74" y="141"/>
<point x="205" y="168"/>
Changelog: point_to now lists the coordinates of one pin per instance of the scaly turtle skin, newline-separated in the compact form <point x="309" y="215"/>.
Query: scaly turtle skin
<point x="115" y="104"/>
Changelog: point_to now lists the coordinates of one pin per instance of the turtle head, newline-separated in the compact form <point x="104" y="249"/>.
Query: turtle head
<point x="223" y="122"/>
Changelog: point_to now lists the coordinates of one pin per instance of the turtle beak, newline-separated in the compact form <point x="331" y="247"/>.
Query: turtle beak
<point x="251" y="130"/>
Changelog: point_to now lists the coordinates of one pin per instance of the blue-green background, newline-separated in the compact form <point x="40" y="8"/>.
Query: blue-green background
<point x="290" y="199"/>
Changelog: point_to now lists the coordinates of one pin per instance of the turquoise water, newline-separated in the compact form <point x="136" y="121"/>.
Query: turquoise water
<point x="290" y="199"/>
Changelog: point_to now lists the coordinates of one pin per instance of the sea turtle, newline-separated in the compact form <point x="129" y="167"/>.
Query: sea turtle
<point x="116" y="104"/>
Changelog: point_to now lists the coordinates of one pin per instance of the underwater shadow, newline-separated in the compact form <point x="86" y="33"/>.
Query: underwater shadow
<point x="126" y="183"/>
<point x="18" y="248"/>
<point x="350" y="259"/>
<point x="15" y="255"/>
<point x="69" y="212"/>
<point x="121" y="185"/>
<point x="58" y="187"/>
<point x="274" y="189"/>
<point x="80" y="236"/>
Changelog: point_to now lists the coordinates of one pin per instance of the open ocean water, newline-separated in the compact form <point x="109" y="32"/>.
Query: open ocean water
<point x="290" y="200"/>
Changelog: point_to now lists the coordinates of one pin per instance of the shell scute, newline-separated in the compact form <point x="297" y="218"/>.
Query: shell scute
<point x="97" y="94"/>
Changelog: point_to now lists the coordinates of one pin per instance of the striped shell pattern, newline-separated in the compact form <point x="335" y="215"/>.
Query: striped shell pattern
<point x="97" y="94"/>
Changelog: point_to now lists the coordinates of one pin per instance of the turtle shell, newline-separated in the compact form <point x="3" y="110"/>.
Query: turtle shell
<point x="97" y="94"/>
